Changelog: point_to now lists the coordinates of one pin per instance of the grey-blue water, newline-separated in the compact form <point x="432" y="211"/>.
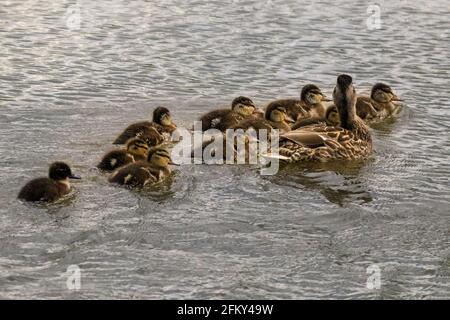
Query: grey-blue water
<point x="73" y="74"/>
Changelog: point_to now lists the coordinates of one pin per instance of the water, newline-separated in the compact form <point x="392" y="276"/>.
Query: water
<point x="73" y="74"/>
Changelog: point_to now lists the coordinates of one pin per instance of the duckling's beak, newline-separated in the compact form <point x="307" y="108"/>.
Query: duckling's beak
<point x="395" y="98"/>
<point x="289" y="119"/>
<point x="325" y="98"/>
<point x="173" y="163"/>
<point x="74" y="177"/>
<point x="258" y="111"/>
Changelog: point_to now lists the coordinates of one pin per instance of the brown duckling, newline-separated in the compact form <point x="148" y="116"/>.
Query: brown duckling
<point x="310" y="104"/>
<point x="151" y="131"/>
<point x="51" y="188"/>
<point x="380" y="105"/>
<point x="142" y="173"/>
<point x="222" y="119"/>
<point x="331" y="119"/>
<point x="136" y="150"/>
<point x="275" y="117"/>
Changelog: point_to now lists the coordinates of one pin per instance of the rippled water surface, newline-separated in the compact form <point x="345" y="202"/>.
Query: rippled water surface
<point x="73" y="74"/>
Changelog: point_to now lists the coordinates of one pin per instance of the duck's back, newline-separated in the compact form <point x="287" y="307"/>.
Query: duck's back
<point x="115" y="159"/>
<point x="42" y="189"/>
<point x="145" y="130"/>
<point x="136" y="174"/>
<point x="322" y="143"/>
<point x="212" y="119"/>
<point x="293" y="107"/>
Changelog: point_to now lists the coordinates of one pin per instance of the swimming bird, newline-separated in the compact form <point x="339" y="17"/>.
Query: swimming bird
<point x="51" y="188"/>
<point x="143" y="173"/>
<point x="153" y="132"/>
<point x="331" y="119"/>
<point x="222" y="119"/>
<point x="136" y="150"/>
<point x="275" y="117"/>
<point x="310" y="104"/>
<point x="351" y="140"/>
<point x="380" y="105"/>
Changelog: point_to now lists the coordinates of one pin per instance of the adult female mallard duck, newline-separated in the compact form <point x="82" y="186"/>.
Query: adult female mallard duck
<point x="380" y="105"/>
<point x="143" y="173"/>
<point x="153" y="132"/>
<point x="222" y="119"/>
<point x="310" y="104"/>
<point x="351" y="140"/>
<point x="136" y="150"/>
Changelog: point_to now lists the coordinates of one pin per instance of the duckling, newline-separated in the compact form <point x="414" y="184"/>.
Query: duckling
<point x="142" y="173"/>
<point x="228" y="147"/>
<point x="153" y="132"/>
<point x="380" y="105"/>
<point x="222" y="119"/>
<point x="51" y="188"/>
<point x="275" y="117"/>
<point x="331" y="119"/>
<point x="136" y="150"/>
<point x="310" y="104"/>
<point x="351" y="140"/>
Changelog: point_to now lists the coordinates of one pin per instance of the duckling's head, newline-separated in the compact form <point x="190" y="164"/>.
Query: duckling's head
<point x="159" y="157"/>
<point x="276" y="112"/>
<point x="243" y="105"/>
<point x="137" y="147"/>
<point x="383" y="93"/>
<point x="311" y="94"/>
<point x="60" y="171"/>
<point x="344" y="96"/>
<point x="163" y="117"/>
<point x="332" y="116"/>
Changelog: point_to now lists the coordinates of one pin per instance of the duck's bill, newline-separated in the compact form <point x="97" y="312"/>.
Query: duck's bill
<point x="325" y="98"/>
<point x="258" y="111"/>
<point x="74" y="177"/>
<point x="289" y="119"/>
<point x="395" y="98"/>
<point x="274" y="156"/>
<point x="173" y="163"/>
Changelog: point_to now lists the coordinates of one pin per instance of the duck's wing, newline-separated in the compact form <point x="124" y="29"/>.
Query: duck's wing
<point x="365" y="108"/>
<point x="213" y="118"/>
<point x="316" y="135"/>
<point x="133" y="130"/>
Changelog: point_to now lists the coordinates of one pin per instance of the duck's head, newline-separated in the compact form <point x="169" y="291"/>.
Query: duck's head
<point x="243" y="105"/>
<point x="277" y="113"/>
<point x="159" y="157"/>
<point x="344" y="97"/>
<point x="383" y="93"/>
<point x="332" y="116"/>
<point x="163" y="117"/>
<point x="137" y="147"/>
<point x="311" y="94"/>
<point x="61" y="171"/>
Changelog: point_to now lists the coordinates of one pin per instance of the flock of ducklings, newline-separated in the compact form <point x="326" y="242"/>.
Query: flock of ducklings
<point x="313" y="128"/>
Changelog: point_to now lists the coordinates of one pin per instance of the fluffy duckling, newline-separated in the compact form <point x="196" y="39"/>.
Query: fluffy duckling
<point x="51" y="188"/>
<point x="310" y="104"/>
<point x="142" y="173"/>
<point x="275" y="117"/>
<point x="380" y="105"/>
<point x="222" y="119"/>
<point x="136" y="150"/>
<point x="331" y="119"/>
<point x="350" y="141"/>
<point x="153" y="132"/>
